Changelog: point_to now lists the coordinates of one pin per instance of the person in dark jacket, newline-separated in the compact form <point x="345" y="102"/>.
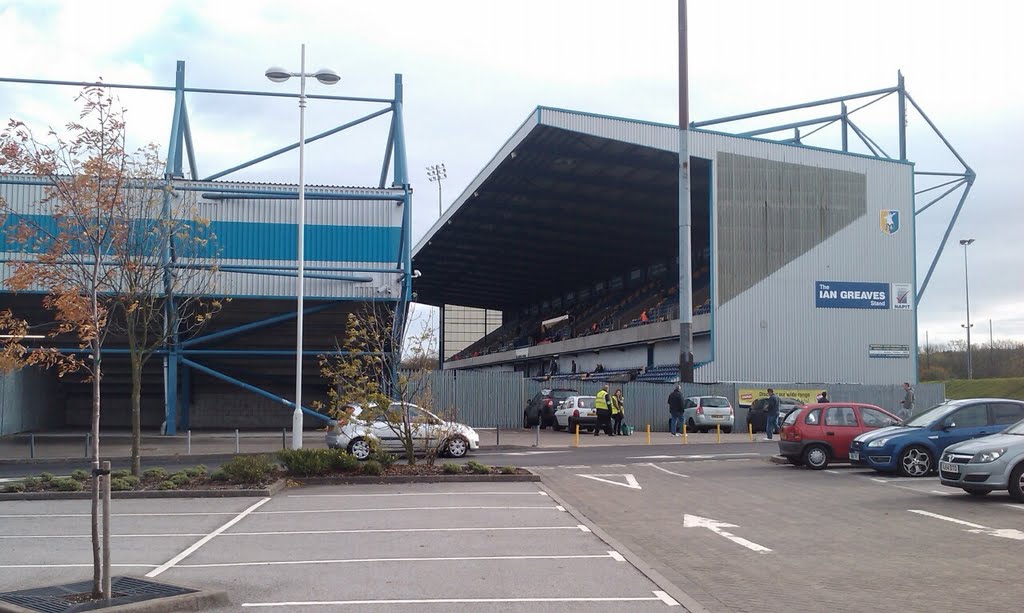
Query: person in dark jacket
<point x="771" y="406"/>
<point x="675" y="410"/>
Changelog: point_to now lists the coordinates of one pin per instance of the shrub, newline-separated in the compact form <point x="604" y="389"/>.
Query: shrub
<point x="508" y="470"/>
<point x="193" y="472"/>
<point x="451" y="469"/>
<point x="131" y="480"/>
<point x="218" y="475"/>
<point x="120" y="484"/>
<point x="15" y="487"/>
<point x="248" y="468"/>
<point x="119" y="474"/>
<point x="180" y="479"/>
<point x="342" y="461"/>
<point x="154" y="473"/>
<point x="202" y="469"/>
<point x="31" y="483"/>
<point x="305" y="462"/>
<point x="373" y="467"/>
<point x="68" y="485"/>
<point x="478" y="468"/>
<point x="167" y="485"/>
<point x="383" y="457"/>
<point x="80" y="475"/>
<point x="46" y="477"/>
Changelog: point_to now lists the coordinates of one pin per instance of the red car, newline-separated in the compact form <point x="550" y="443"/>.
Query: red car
<point x="817" y="434"/>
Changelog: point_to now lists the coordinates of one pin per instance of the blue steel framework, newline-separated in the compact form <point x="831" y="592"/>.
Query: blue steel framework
<point x="956" y="180"/>
<point x="180" y="353"/>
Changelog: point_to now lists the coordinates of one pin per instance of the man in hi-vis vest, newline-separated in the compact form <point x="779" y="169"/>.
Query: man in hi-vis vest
<point x="604" y="414"/>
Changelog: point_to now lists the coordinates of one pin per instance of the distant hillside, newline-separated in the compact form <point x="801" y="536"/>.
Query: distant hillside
<point x="985" y="388"/>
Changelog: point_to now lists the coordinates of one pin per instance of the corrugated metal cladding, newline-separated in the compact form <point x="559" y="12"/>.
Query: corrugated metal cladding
<point x="497" y="399"/>
<point x="256" y="231"/>
<point x="658" y="136"/>
<point x="772" y="331"/>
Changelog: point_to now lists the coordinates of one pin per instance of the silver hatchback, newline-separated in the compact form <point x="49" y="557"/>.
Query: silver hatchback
<point x="982" y="465"/>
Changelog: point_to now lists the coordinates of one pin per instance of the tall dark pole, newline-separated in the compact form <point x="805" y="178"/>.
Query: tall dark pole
<point x="967" y="293"/>
<point x="685" y="278"/>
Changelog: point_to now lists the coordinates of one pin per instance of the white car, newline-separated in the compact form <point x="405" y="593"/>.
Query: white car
<point x="358" y="437"/>
<point x="576" y="410"/>
<point x="705" y="413"/>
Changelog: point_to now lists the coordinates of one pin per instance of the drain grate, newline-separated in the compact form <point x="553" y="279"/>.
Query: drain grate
<point x="67" y="598"/>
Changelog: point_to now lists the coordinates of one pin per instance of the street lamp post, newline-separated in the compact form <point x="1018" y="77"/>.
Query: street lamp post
<point x="437" y="173"/>
<point x="327" y="77"/>
<point x="967" y="293"/>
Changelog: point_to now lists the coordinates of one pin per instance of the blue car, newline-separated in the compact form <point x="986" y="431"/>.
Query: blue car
<point x="912" y="449"/>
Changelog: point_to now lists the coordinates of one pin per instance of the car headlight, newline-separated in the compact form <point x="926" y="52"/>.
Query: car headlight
<point x="878" y="442"/>
<point x="990" y="455"/>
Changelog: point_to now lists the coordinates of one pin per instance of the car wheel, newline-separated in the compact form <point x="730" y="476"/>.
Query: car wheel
<point x="360" y="449"/>
<point x="976" y="492"/>
<point x="727" y="430"/>
<point x="572" y="426"/>
<point x="816" y="457"/>
<point x="691" y="425"/>
<point x="915" y="462"/>
<point x="457" y="447"/>
<point x="1017" y="483"/>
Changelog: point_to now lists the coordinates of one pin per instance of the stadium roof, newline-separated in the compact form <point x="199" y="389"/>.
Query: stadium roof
<point x="570" y="199"/>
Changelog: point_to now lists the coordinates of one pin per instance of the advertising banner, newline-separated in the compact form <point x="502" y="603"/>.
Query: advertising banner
<point x="748" y="396"/>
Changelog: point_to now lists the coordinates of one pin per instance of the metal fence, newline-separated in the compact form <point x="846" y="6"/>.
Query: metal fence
<point x="497" y="399"/>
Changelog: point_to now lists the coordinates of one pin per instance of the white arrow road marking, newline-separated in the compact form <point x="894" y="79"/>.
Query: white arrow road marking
<point x="631" y="481"/>
<point x="1006" y="533"/>
<point x="653" y="465"/>
<point x="695" y="521"/>
<point x="519" y="453"/>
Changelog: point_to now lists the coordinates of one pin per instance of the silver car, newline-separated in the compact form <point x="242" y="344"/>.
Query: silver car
<point x="981" y="465"/>
<point x="359" y="437"/>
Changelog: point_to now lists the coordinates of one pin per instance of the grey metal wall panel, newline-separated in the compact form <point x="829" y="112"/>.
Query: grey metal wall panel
<point x="29" y="402"/>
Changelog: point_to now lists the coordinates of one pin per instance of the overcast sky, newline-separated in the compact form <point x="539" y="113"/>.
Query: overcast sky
<point x="474" y="70"/>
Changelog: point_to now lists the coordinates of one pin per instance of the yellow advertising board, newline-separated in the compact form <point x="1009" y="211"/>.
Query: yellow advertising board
<point x="748" y="396"/>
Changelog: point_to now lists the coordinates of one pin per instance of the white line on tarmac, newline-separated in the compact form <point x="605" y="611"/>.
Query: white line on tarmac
<point x="652" y="465"/>
<point x="370" y="560"/>
<point x="89" y="536"/>
<point x="184" y="554"/>
<point x="949" y="519"/>
<point x="616" y="556"/>
<point x="909" y="489"/>
<point x="49" y="516"/>
<point x="415" y="494"/>
<point x="398" y="530"/>
<point x="1014" y="506"/>
<point x="383" y="509"/>
<point x="831" y="472"/>
<point x="658" y="595"/>
<point x="75" y="565"/>
<point x="583" y="528"/>
<point x="692" y="457"/>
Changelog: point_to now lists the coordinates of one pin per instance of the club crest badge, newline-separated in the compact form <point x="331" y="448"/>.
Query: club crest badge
<point x="889" y="221"/>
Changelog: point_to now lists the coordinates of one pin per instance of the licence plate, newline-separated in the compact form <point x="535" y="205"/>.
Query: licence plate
<point x="949" y="467"/>
<point x="718" y="416"/>
<point x="855" y="455"/>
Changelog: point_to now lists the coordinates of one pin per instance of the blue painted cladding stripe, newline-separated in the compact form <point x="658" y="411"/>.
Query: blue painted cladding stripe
<point x="272" y="241"/>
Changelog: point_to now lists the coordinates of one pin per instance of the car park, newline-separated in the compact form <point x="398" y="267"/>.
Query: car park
<point x="913" y="448"/>
<point x="985" y="464"/>
<point x="816" y="434"/>
<point x="576" y="410"/>
<point x="757" y="416"/>
<point x="540" y="411"/>
<point x="704" y="413"/>
<point x="429" y="433"/>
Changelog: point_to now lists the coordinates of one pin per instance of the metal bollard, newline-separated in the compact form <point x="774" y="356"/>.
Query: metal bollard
<point x="577" y="442"/>
<point x="32" y="446"/>
<point x="750" y="430"/>
<point x="497" y="435"/>
<point x="718" y="433"/>
<point x="536" y="435"/>
<point x="648" y="434"/>
<point x="188" y="443"/>
<point x="684" y="434"/>
<point x="236" y="440"/>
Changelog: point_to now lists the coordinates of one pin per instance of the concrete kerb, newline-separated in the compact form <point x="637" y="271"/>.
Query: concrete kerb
<point x="195" y="601"/>
<point x="684" y="599"/>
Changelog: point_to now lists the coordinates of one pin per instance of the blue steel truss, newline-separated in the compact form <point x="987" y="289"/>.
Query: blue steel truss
<point x="957" y="180"/>
<point x="180" y="355"/>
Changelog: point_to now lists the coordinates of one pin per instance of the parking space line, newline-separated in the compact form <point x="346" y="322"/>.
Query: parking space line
<point x="467" y="493"/>
<point x="184" y="554"/>
<point x="75" y="565"/>
<point x="658" y="595"/>
<point x="396" y="530"/>
<point x="652" y="465"/>
<point x="388" y="560"/>
<point x="949" y="519"/>
<point x="583" y="528"/>
<point x="392" y="509"/>
<point x="615" y="555"/>
<point x="50" y="515"/>
<point x="1013" y="506"/>
<point x="890" y="482"/>
<point x="89" y="536"/>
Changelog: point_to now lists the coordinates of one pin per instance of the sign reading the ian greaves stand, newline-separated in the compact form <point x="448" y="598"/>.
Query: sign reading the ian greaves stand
<point x="850" y="295"/>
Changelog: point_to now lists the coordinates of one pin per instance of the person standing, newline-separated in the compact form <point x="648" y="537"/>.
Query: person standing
<point x="823" y="397"/>
<point x="771" y="421"/>
<point x="907" y="403"/>
<point x="603" y="406"/>
<point x="618" y="412"/>
<point x="675" y="410"/>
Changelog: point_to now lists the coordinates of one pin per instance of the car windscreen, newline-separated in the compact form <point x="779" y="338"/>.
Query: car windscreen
<point x="585" y="402"/>
<point x="927" y="418"/>
<point x="791" y="418"/>
<point x="562" y="394"/>
<point x="1017" y="428"/>
<point x="715" y="402"/>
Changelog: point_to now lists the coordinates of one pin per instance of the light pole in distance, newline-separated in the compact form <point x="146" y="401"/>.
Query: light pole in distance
<point x="327" y="77"/>
<point x="437" y="173"/>
<point x="966" y="242"/>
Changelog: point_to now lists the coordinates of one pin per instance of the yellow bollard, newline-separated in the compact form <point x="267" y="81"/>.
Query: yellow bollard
<point x="684" y="434"/>
<point x="750" y="429"/>
<point x="718" y="433"/>
<point x="577" y="443"/>
<point x="648" y="434"/>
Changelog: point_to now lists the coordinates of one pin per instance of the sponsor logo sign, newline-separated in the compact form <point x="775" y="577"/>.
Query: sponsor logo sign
<point x="851" y="295"/>
<point x="888" y="351"/>
<point x="902" y="296"/>
<point x="748" y="396"/>
<point x="889" y="221"/>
